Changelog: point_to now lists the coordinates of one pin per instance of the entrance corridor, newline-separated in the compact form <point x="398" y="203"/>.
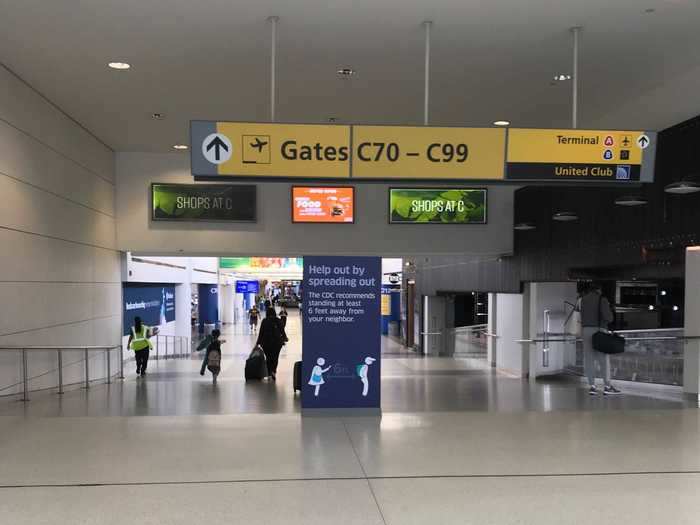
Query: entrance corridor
<point x="456" y="444"/>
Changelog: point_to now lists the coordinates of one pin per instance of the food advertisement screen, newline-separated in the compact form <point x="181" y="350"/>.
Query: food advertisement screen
<point x="329" y="204"/>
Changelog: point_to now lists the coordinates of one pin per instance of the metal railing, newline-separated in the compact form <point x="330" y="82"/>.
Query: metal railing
<point x="171" y="346"/>
<point x="651" y="356"/>
<point x="24" y="351"/>
<point x="470" y="340"/>
<point x="164" y="347"/>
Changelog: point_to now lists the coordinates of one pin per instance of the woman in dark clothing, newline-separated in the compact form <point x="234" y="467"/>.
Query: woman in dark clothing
<point x="271" y="338"/>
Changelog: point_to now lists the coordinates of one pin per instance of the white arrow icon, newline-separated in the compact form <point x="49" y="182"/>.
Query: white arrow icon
<point x="217" y="148"/>
<point x="643" y="141"/>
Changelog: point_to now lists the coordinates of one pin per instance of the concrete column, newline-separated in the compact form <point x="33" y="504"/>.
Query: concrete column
<point x="183" y="309"/>
<point x="691" y="355"/>
<point x="511" y="357"/>
<point x="227" y="303"/>
<point x="492" y="342"/>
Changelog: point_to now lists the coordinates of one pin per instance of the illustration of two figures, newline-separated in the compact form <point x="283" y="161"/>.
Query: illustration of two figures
<point x="361" y="370"/>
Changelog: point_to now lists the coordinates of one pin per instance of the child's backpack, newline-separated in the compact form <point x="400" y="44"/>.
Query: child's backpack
<point x="214" y="361"/>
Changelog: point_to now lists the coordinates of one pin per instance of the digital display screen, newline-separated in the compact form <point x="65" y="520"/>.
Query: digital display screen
<point x="323" y="204"/>
<point x="454" y="205"/>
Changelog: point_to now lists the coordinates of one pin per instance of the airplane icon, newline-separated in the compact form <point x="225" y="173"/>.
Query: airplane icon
<point x="256" y="149"/>
<point x="258" y="144"/>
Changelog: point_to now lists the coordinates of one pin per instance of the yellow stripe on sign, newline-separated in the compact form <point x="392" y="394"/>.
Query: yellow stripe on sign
<point x="286" y="150"/>
<point x="576" y="146"/>
<point x="398" y="152"/>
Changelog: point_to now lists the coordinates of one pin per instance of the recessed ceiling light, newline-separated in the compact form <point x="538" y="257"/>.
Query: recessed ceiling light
<point x="631" y="200"/>
<point x="346" y="72"/>
<point x="675" y="308"/>
<point x="181" y="146"/>
<point x="501" y="123"/>
<point x="565" y="216"/>
<point x="525" y="226"/>
<point x="651" y="307"/>
<point x="562" y="77"/>
<point x="119" y="65"/>
<point x="682" y="188"/>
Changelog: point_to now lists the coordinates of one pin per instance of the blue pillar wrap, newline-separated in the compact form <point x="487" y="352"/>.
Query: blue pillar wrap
<point x="208" y="305"/>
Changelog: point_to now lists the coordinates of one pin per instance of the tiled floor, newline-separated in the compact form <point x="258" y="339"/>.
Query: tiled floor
<point x="457" y="444"/>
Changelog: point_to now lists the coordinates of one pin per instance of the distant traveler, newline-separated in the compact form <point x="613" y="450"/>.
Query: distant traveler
<point x="139" y="342"/>
<point x="595" y="315"/>
<point x="212" y="358"/>
<point x="253" y="315"/>
<point x="283" y="317"/>
<point x="272" y="337"/>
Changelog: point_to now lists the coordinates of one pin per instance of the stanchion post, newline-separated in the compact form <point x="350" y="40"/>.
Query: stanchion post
<point x="121" y="362"/>
<point x="87" y="370"/>
<point x="60" y="372"/>
<point x="108" y="356"/>
<point x="25" y="376"/>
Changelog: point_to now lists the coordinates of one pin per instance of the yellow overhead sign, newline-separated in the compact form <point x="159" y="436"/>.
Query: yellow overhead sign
<point x="398" y="152"/>
<point x="317" y="151"/>
<point x="270" y="150"/>
<point x="536" y="154"/>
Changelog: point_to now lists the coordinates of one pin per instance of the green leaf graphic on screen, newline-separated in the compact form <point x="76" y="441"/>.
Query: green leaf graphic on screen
<point x="446" y="205"/>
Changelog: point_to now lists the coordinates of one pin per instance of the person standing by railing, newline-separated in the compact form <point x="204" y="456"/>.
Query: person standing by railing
<point x="596" y="315"/>
<point x="140" y="343"/>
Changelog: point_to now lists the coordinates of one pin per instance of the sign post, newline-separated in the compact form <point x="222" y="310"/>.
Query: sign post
<point x="341" y="349"/>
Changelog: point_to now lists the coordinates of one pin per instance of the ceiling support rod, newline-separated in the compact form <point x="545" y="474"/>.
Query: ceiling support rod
<point x="273" y="65"/>
<point x="574" y="81"/>
<point x="426" y="100"/>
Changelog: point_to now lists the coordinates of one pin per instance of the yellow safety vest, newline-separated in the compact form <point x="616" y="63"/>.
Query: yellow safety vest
<point x="140" y="340"/>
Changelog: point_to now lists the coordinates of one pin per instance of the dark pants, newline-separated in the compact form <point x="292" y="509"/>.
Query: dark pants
<point x="141" y="360"/>
<point x="273" y="356"/>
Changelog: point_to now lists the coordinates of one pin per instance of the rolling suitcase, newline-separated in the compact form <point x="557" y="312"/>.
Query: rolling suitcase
<point x="297" y="376"/>
<point x="256" y="365"/>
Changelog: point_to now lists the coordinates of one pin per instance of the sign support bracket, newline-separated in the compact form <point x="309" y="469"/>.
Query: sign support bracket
<point x="576" y="31"/>
<point x="273" y="65"/>
<point x="426" y="100"/>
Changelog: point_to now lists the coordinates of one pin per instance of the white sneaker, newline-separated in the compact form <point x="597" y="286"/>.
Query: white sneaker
<point x="593" y="391"/>
<point x="611" y="391"/>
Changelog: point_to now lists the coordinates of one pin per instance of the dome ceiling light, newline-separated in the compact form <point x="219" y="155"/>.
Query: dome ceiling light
<point x="565" y="216"/>
<point x="631" y="200"/>
<point x="682" y="188"/>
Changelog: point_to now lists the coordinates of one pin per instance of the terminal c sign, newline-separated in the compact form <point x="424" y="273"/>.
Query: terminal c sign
<point x="227" y="150"/>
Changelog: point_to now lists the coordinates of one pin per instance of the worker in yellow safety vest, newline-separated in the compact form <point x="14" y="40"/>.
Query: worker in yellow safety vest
<point x="139" y="342"/>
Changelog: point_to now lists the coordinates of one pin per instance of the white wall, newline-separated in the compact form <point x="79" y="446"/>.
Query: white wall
<point x="511" y="357"/>
<point x="275" y="235"/>
<point x="59" y="261"/>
